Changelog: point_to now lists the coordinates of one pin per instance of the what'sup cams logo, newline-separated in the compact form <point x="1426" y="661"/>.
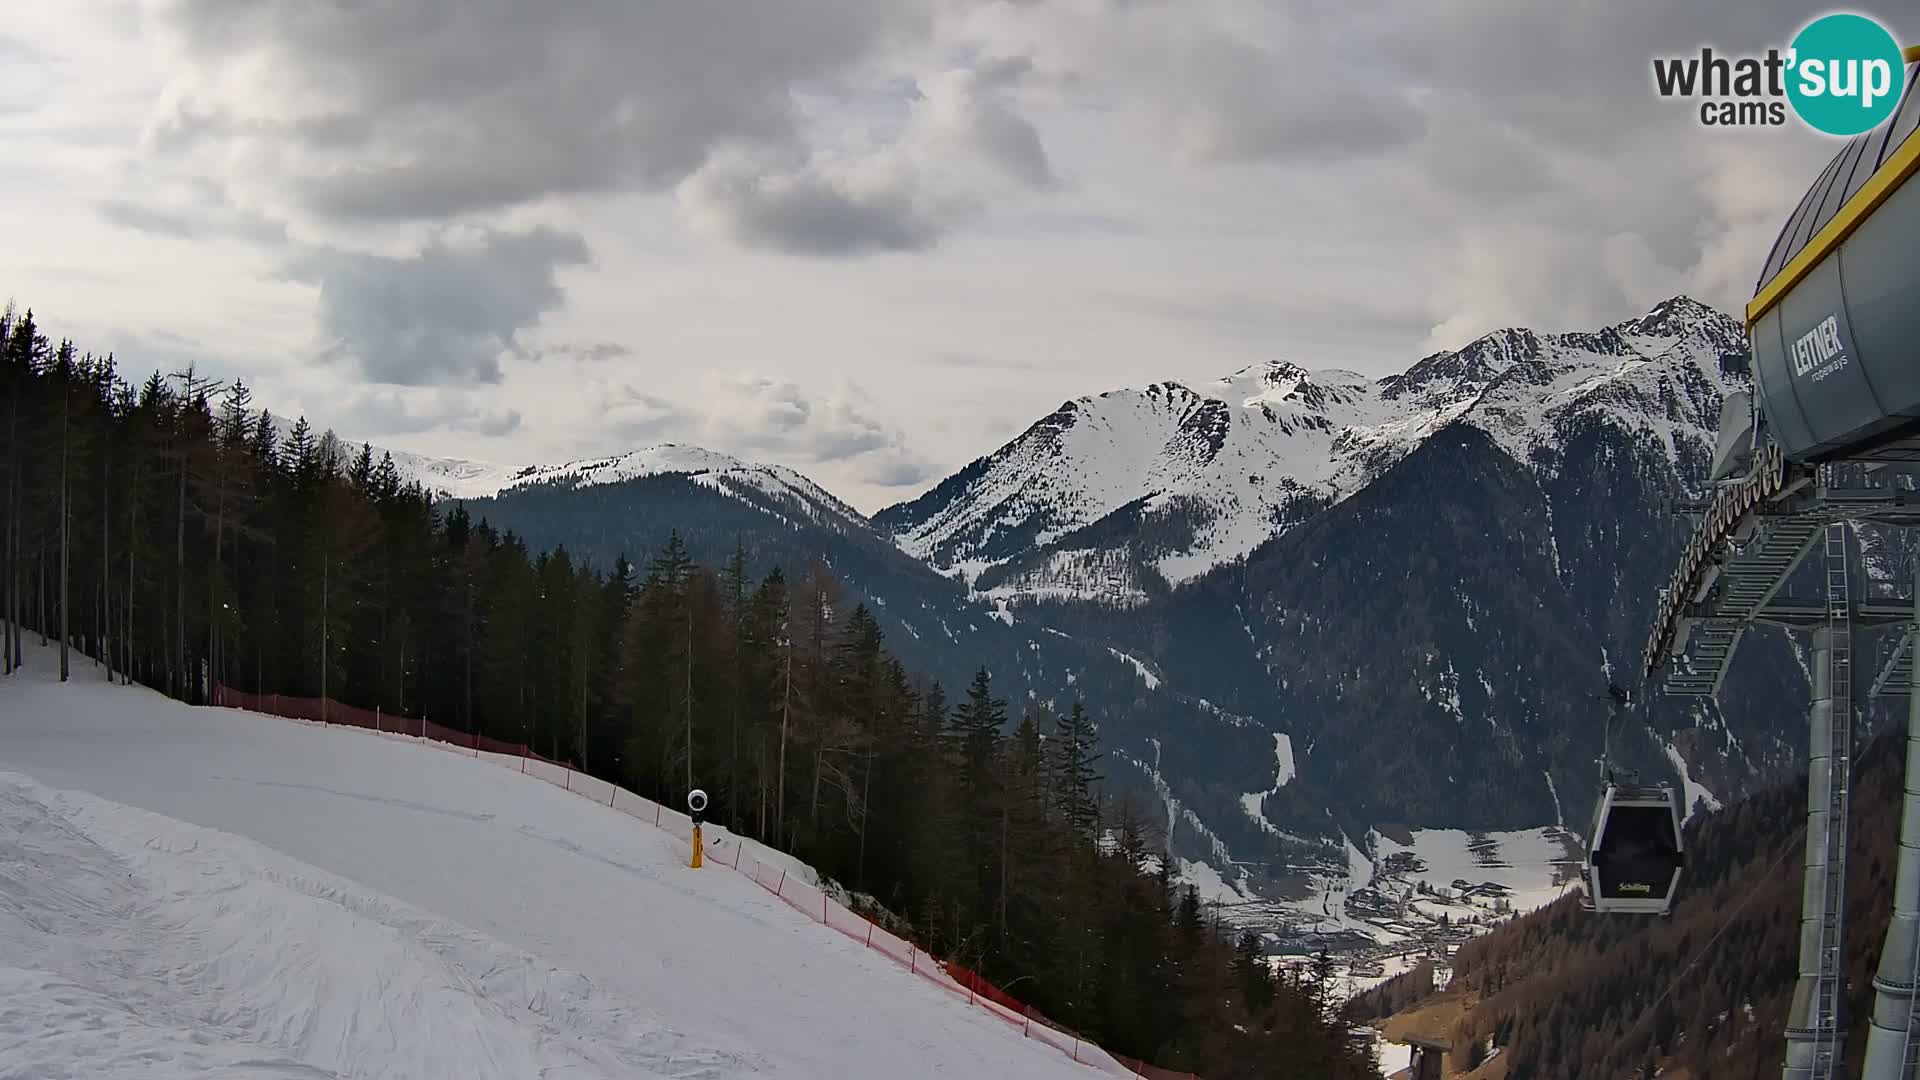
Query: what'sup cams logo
<point x="1843" y="74"/>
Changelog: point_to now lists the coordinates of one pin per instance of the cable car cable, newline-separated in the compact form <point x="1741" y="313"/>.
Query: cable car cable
<point x="1787" y="849"/>
<point x="1792" y="845"/>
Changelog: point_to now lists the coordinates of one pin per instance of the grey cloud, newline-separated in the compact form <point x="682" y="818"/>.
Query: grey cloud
<point x="597" y="352"/>
<point x="962" y="139"/>
<point x="897" y="472"/>
<point x="768" y="418"/>
<point x="148" y="219"/>
<point x="444" y="315"/>
<point x="636" y="416"/>
<point x="186" y="208"/>
<point x="1553" y="186"/>
<point x="502" y="422"/>
<point x="1222" y="84"/>
<point x="433" y="110"/>
<point x="386" y="412"/>
<point x="1245" y="103"/>
<point x="1305" y="313"/>
<point x="812" y="210"/>
<point x="772" y="413"/>
<point x="968" y="113"/>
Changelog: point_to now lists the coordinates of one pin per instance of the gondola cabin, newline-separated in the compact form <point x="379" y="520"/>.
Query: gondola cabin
<point x="1633" y="863"/>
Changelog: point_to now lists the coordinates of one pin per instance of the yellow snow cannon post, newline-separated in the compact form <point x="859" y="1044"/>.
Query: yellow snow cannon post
<point x="696" y="805"/>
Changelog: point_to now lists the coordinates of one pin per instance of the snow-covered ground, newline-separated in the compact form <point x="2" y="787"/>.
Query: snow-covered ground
<point x="1527" y="862"/>
<point x="205" y="892"/>
<point x="1244" y="455"/>
<point x="460" y="479"/>
<point x="1697" y="796"/>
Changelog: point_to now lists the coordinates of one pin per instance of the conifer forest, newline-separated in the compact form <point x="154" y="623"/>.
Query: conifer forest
<point x="174" y="532"/>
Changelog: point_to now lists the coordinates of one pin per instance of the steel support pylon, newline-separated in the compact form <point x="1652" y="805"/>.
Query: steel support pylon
<point x="1816" y="1031"/>
<point x="1893" y="1039"/>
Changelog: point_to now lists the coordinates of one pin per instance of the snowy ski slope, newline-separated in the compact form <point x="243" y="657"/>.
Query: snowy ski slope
<point x="210" y="893"/>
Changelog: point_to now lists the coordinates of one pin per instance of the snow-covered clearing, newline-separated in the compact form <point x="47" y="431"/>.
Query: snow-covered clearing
<point x="1526" y="861"/>
<point x="206" y="892"/>
<point x="1696" y="793"/>
<point x="1146" y="673"/>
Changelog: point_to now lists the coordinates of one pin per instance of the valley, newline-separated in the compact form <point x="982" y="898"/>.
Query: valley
<point x="1208" y="569"/>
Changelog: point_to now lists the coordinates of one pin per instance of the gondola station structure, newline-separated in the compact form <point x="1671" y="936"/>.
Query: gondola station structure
<point x="1827" y="440"/>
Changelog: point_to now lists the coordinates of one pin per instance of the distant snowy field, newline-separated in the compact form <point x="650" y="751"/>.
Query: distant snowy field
<point x="1525" y="861"/>
<point x="209" y="893"/>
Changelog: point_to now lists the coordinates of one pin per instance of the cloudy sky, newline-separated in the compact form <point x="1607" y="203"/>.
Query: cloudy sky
<point x="871" y="239"/>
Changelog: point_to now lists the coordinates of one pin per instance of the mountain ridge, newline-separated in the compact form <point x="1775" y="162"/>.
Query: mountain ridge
<point x="1210" y="471"/>
<point x="1417" y="642"/>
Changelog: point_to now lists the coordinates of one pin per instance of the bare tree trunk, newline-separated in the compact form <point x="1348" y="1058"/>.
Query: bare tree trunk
<point x="106" y="563"/>
<point x="325" y="564"/>
<point x="866" y="790"/>
<point x="8" y="577"/>
<point x="1006" y="803"/>
<point x="786" y="709"/>
<point x="213" y="573"/>
<point x="180" y="580"/>
<point x="66" y="623"/>
<point x="133" y="545"/>
<point x="16" y="608"/>
<point x="467" y="590"/>
<point x="689" y="686"/>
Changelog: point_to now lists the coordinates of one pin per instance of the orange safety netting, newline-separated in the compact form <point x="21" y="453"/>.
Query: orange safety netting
<point x="724" y="849"/>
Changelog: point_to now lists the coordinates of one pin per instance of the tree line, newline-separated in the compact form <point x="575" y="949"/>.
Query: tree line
<point x="179" y="537"/>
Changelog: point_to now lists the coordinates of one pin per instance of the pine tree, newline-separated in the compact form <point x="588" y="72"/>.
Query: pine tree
<point x="323" y="572"/>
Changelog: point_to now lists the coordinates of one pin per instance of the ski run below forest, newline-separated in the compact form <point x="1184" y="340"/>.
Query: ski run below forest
<point x="195" y="892"/>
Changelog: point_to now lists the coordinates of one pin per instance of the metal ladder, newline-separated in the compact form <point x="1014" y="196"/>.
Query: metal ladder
<point x="1828" y="991"/>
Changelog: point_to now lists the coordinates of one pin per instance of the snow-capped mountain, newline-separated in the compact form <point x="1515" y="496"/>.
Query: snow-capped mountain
<point x="1304" y="605"/>
<point x="461" y="479"/>
<point x="1117" y="496"/>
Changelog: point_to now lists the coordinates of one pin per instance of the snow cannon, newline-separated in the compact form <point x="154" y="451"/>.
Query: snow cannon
<point x="696" y="807"/>
<point x="1835" y="318"/>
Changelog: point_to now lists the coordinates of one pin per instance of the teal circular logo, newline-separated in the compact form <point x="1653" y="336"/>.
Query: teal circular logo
<point x="1845" y="74"/>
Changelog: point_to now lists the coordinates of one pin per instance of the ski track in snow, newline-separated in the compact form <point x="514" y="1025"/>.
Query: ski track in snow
<point x="210" y="893"/>
<point x="132" y="944"/>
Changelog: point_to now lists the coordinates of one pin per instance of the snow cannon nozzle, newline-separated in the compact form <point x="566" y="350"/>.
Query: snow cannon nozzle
<point x="696" y="804"/>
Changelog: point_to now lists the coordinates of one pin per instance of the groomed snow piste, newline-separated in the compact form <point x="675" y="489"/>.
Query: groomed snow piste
<point x="211" y="893"/>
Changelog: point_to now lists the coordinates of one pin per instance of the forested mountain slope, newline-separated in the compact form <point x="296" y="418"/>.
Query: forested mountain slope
<point x="189" y="541"/>
<point x="1569" y="995"/>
